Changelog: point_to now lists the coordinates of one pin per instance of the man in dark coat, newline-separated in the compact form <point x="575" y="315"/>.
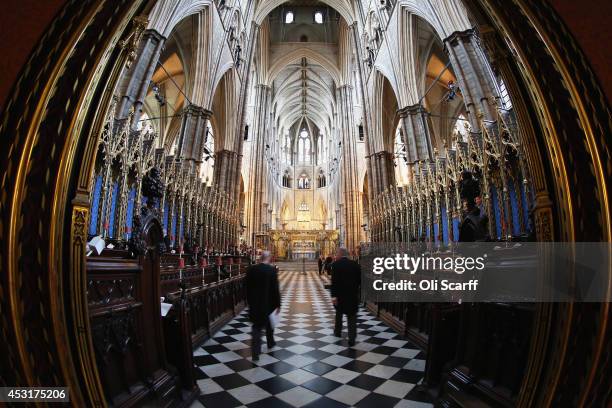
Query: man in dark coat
<point x="263" y="296"/>
<point x="345" y="287"/>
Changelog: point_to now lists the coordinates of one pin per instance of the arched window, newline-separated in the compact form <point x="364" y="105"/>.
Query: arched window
<point x="320" y="149"/>
<point x="303" y="182"/>
<point x="401" y="158"/>
<point x="289" y="17"/>
<point x="304" y="147"/>
<point x="144" y="123"/>
<point x="286" y="179"/>
<point x="462" y="129"/>
<point x="505" y="96"/>
<point x="321" y="181"/>
<point x="318" y="17"/>
<point x="208" y="156"/>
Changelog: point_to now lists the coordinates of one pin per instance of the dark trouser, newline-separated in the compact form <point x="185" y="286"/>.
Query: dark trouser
<point x="256" y="337"/>
<point x="351" y="323"/>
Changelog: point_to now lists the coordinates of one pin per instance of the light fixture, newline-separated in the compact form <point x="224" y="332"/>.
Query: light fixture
<point x="160" y="99"/>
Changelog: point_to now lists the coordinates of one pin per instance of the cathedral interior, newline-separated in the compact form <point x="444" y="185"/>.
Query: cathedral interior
<point x="154" y="148"/>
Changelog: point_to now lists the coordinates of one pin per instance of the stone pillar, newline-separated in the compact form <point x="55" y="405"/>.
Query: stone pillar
<point x="350" y="182"/>
<point x="225" y="170"/>
<point x="417" y="138"/>
<point x="135" y="84"/>
<point x="237" y="180"/>
<point x="189" y="151"/>
<point x="366" y="113"/>
<point x="193" y="133"/>
<point x="384" y="171"/>
<point x="257" y="175"/>
<point x="474" y="74"/>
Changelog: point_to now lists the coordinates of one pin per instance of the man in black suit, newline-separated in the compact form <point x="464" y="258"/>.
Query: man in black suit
<point x="263" y="296"/>
<point x="320" y="263"/>
<point x="346" y="283"/>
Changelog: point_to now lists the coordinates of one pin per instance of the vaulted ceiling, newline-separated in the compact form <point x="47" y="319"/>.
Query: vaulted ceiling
<point x="304" y="90"/>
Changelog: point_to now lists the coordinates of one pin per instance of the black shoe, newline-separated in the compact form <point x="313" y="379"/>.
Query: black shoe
<point x="271" y="345"/>
<point x="255" y="358"/>
<point x="337" y="334"/>
<point x="351" y="343"/>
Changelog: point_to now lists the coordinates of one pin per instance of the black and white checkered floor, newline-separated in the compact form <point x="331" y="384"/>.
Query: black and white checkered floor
<point x="309" y="367"/>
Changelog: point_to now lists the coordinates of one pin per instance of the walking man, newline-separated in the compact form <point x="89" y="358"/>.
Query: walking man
<point x="263" y="296"/>
<point x="346" y="282"/>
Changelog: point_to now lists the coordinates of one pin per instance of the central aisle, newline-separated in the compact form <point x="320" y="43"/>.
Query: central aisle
<point x="309" y="367"/>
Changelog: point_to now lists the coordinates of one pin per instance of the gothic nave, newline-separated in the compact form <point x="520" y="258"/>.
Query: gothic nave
<point x="154" y="150"/>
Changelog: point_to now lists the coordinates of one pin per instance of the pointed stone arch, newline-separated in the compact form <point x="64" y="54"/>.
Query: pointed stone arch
<point x="166" y="15"/>
<point x="385" y="103"/>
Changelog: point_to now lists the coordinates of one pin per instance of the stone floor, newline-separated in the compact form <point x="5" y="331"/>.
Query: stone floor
<point x="309" y="367"/>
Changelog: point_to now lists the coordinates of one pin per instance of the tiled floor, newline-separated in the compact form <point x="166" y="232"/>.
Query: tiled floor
<point x="309" y="367"/>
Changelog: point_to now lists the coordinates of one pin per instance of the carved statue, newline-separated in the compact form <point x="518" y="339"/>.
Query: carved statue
<point x="371" y="56"/>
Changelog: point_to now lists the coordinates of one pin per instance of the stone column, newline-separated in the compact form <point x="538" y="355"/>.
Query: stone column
<point x="384" y="171"/>
<point x="474" y="74"/>
<point x="190" y="147"/>
<point x="135" y="83"/>
<point x="416" y="133"/>
<point x="225" y="170"/>
<point x="350" y="182"/>
<point x="193" y="133"/>
<point x="366" y="113"/>
<point x="257" y="175"/>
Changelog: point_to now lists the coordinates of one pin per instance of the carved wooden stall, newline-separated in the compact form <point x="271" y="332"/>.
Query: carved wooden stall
<point x="211" y="306"/>
<point x="142" y="357"/>
<point x="197" y="313"/>
<point x="193" y="271"/>
<point x="476" y="353"/>
<point x="162" y="253"/>
<point x="124" y="310"/>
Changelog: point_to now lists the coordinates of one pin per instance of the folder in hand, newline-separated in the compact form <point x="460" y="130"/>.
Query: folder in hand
<point x="274" y="318"/>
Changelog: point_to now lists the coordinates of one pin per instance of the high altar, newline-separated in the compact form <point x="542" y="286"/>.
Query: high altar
<point x="298" y="244"/>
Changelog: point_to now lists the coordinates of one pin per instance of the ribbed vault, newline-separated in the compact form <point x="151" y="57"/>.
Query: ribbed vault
<point x="304" y="90"/>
